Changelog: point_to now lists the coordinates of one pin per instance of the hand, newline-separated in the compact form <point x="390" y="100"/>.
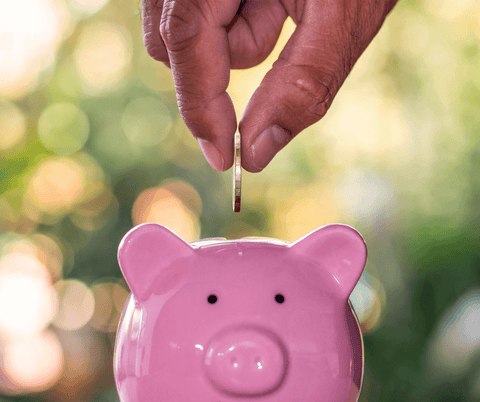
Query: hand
<point x="201" y="40"/>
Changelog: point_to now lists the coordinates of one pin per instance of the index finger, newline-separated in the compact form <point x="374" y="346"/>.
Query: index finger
<point x="197" y="46"/>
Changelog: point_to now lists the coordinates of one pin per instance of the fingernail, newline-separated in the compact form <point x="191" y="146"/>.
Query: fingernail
<point x="212" y="154"/>
<point x="267" y="145"/>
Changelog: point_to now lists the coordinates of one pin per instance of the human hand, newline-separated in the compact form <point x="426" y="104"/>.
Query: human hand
<point x="201" y="40"/>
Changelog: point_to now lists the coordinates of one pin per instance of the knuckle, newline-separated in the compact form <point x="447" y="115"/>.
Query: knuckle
<point x="314" y="92"/>
<point x="151" y="8"/>
<point x="190" y="101"/>
<point x="151" y="35"/>
<point x="179" y="24"/>
<point x="193" y="115"/>
<point x="156" y="51"/>
<point x="158" y="54"/>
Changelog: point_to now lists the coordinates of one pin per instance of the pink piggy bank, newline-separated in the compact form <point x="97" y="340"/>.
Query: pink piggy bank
<point x="249" y="319"/>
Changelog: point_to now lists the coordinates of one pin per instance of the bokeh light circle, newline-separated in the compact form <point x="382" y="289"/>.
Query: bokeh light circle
<point x="85" y="8"/>
<point x="76" y="304"/>
<point x="56" y="185"/>
<point x="102" y="57"/>
<point x="146" y="121"/>
<point x="31" y="32"/>
<point x="120" y="295"/>
<point x="13" y="125"/>
<point x="49" y="253"/>
<point x="301" y="210"/>
<point x="33" y="363"/>
<point x="186" y="193"/>
<point x="158" y="205"/>
<point x="63" y="128"/>
<point x="27" y="298"/>
<point x="108" y="297"/>
<point x="455" y="342"/>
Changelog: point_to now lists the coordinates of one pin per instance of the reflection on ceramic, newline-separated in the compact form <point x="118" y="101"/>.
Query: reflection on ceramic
<point x="249" y="319"/>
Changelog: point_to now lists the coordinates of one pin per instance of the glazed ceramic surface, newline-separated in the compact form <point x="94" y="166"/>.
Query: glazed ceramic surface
<point x="249" y="319"/>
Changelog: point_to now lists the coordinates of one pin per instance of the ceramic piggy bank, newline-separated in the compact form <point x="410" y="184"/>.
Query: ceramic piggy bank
<point x="238" y="320"/>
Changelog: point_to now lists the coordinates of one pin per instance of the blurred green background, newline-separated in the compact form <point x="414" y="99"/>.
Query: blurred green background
<point x="91" y="143"/>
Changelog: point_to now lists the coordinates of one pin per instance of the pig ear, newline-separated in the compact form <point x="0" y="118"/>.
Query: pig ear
<point x="339" y="249"/>
<point x="145" y="251"/>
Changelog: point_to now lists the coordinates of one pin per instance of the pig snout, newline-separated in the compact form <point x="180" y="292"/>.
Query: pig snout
<point x="246" y="361"/>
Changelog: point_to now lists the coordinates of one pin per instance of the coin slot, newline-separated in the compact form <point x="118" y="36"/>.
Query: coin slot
<point x="279" y="298"/>
<point x="212" y="299"/>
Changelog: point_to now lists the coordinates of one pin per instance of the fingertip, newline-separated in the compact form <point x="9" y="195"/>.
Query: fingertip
<point x="264" y="147"/>
<point x="214" y="125"/>
<point x="212" y="154"/>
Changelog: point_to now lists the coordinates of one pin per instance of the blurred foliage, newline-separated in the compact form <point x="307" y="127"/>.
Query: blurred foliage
<point x="91" y="143"/>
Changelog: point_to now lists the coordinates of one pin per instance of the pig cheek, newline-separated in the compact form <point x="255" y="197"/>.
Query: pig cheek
<point x="174" y="350"/>
<point x="317" y="354"/>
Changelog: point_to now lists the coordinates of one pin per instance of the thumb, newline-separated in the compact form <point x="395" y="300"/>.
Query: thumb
<point x="302" y="83"/>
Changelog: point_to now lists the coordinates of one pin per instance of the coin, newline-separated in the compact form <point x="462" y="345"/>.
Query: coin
<point x="237" y="173"/>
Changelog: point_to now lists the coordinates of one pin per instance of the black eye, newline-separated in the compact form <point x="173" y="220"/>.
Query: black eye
<point x="212" y="299"/>
<point x="279" y="298"/>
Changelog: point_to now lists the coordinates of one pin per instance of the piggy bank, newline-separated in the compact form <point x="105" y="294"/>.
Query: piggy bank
<point x="235" y="320"/>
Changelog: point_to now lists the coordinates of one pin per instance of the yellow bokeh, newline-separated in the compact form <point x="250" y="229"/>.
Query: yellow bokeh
<point x="102" y="57"/>
<point x="155" y="75"/>
<point x="302" y="211"/>
<point x="60" y="185"/>
<point x="49" y="252"/>
<point x="13" y="125"/>
<point x="146" y="121"/>
<point x="76" y="304"/>
<point x="63" y="128"/>
<point x="159" y="205"/>
<point x="182" y="148"/>
<point x="56" y="185"/>
<point x="85" y="8"/>
<point x="186" y="193"/>
<point x="109" y="300"/>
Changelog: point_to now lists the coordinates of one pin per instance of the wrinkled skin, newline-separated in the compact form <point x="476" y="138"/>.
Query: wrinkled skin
<point x="201" y="40"/>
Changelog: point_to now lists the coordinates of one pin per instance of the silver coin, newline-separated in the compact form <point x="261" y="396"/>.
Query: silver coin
<point x="237" y="173"/>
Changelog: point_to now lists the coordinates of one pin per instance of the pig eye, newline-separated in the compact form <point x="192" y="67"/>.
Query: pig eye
<point x="279" y="298"/>
<point x="212" y="299"/>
